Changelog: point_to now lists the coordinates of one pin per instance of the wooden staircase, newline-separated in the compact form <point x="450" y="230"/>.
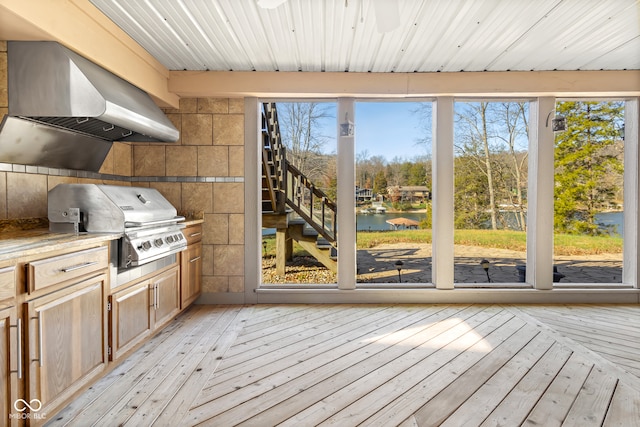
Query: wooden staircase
<point x="292" y="204"/>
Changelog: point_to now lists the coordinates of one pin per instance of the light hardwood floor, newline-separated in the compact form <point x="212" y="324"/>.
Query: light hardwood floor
<point x="382" y="365"/>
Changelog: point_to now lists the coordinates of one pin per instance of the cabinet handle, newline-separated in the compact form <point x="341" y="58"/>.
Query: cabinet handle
<point x="40" y="352"/>
<point x="195" y="234"/>
<point x="19" y="349"/>
<point x="194" y="259"/>
<point x="18" y="327"/>
<point x="78" y="266"/>
<point x="155" y="296"/>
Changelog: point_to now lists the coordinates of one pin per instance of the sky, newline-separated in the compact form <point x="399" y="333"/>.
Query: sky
<point x="387" y="129"/>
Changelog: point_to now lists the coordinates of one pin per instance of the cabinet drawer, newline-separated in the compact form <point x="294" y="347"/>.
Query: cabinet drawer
<point x="54" y="270"/>
<point x="193" y="233"/>
<point x="7" y="283"/>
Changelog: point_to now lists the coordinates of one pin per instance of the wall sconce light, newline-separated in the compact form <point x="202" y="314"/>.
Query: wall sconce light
<point x="558" y="124"/>
<point x="347" y="128"/>
<point x="399" y="265"/>
<point x="485" y="265"/>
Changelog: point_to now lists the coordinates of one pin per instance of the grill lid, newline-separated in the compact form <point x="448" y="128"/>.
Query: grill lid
<point x="108" y="208"/>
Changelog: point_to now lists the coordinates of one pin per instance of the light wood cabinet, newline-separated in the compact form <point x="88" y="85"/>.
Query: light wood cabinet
<point x="66" y="341"/>
<point x="130" y="318"/>
<point x="191" y="266"/>
<point x="49" y="272"/>
<point x="7" y="283"/>
<point x="165" y="291"/>
<point x="10" y="364"/>
<point x="142" y="308"/>
<point x="191" y="274"/>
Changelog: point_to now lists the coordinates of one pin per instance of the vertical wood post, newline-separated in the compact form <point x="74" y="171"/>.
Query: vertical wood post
<point x="346" y="198"/>
<point x="631" y="255"/>
<point x="443" y="191"/>
<point x="540" y="194"/>
<point x="252" y="199"/>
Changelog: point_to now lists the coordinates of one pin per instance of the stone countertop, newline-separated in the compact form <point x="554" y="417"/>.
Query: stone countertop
<point x="20" y="238"/>
<point x="192" y="221"/>
<point x="20" y="243"/>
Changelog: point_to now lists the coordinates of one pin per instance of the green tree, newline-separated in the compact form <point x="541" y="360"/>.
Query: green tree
<point x="470" y="197"/>
<point x="417" y="174"/>
<point x="380" y="183"/>
<point x="587" y="155"/>
<point x="474" y="125"/>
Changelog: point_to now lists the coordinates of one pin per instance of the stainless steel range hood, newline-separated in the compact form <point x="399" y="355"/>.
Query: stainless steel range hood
<point x="64" y="110"/>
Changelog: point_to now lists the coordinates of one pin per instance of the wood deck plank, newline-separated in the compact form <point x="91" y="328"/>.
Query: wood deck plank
<point x="479" y="405"/>
<point x="407" y="365"/>
<point x="344" y="388"/>
<point x="95" y="393"/>
<point x="591" y="405"/>
<point x="598" y="336"/>
<point x="154" y="374"/>
<point x="554" y="405"/>
<point x="624" y="410"/>
<point x="595" y="353"/>
<point x="515" y="407"/>
<point x="343" y="342"/>
<point x="279" y="388"/>
<point x="307" y="333"/>
<point x="441" y="406"/>
<point x="413" y="395"/>
<point x="174" y="400"/>
<point x="100" y="397"/>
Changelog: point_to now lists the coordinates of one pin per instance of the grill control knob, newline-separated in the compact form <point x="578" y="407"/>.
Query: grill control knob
<point x="145" y="245"/>
<point x="169" y="239"/>
<point x="158" y="242"/>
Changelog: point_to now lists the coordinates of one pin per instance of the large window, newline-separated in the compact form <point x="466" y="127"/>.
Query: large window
<point x="500" y="198"/>
<point x="490" y="166"/>
<point x="299" y="180"/>
<point x="589" y="202"/>
<point x="393" y="192"/>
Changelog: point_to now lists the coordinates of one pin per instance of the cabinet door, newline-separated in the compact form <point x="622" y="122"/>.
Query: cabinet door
<point x="66" y="341"/>
<point x="191" y="274"/>
<point x="165" y="296"/>
<point x="130" y="318"/>
<point x="10" y="361"/>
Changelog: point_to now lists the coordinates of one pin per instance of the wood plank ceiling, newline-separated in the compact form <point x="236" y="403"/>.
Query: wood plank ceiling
<point x="343" y="35"/>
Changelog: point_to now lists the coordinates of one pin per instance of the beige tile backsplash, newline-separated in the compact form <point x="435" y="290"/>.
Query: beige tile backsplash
<point x="211" y="146"/>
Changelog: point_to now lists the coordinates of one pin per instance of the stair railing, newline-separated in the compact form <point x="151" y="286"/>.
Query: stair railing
<point x="273" y="157"/>
<point x="312" y="204"/>
<point x="287" y="185"/>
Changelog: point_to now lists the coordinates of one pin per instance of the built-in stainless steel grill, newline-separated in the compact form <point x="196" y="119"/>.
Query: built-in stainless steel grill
<point x="150" y="225"/>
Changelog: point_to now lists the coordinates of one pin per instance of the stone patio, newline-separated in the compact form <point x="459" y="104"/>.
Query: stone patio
<point x="377" y="265"/>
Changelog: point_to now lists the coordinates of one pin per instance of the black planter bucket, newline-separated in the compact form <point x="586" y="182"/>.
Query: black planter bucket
<point x="522" y="274"/>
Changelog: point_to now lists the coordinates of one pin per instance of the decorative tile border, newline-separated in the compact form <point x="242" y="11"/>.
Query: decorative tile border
<point x="8" y="167"/>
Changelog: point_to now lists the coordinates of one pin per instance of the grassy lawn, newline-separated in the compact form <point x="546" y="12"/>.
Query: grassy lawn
<point x="565" y="244"/>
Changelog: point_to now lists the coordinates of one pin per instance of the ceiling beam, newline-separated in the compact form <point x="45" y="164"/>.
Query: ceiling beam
<point x="406" y="85"/>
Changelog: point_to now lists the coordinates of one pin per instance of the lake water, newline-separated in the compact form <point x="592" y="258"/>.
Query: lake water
<point x="377" y="222"/>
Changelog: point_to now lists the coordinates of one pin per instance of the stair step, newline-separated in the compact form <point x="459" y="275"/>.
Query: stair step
<point x="323" y="243"/>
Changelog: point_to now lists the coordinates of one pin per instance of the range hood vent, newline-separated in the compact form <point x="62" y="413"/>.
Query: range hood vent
<point x="51" y="88"/>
